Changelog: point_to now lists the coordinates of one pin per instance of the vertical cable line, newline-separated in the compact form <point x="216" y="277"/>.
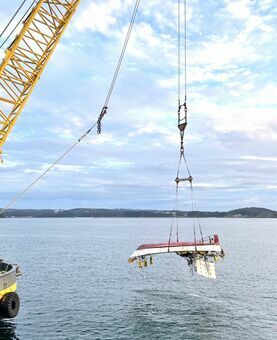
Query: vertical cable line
<point x="177" y="208"/>
<point x="193" y="200"/>
<point x="182" y="122"/>
<point x="96" y="123"/>
<point x="185" y="45"/>
<point x="192" y="207"/>
<point x="179" y="52"/>
<point x="176" y="205"/>
<point x="174" y="216"/>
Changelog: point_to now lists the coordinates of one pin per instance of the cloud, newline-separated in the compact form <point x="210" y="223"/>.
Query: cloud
<point x="257" y="158"/>
<point x="98" y="17"/>
<point x="231" y="136"/>
<point x="239" y="9"/>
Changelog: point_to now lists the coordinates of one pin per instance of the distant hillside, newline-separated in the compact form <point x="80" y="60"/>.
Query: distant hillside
<point x="252" y="212"/>
<point x="87" y="212"/>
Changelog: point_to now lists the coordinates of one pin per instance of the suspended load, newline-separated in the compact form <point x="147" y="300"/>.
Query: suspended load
<point x="200" y="255"/>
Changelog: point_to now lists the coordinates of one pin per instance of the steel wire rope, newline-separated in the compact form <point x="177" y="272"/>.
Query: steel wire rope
<point x="193" y="198"/>
<point x="179" y="52"/>
<point x="50" y="153"/>
<point x="122" y="52"/>
<point x="110" y="91"/>
<point x="193" y="216"/>
<point x="185" y="48"/>
<point x="186" y="164"/>
<point x="173" y="217"/>
<point x="175" y="213"/>
<point x="19" y="22"/>
<point x="175" y="210"/>
<point x="196" y="208"/>
<point x="12" y="18"/>
<point x="182" y="154"/>
<point x="193" y="201"/>
<point x="177" y="217"/>
<point x="177" y="203"/>
<point x="20" y="194"/>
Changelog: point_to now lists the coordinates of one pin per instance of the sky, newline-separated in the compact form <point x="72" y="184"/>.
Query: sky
<point x="231" y="136"/>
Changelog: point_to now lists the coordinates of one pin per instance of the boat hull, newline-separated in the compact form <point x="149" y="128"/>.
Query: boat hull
<point x="181" y="247"/>
<point x="201" y="256"/>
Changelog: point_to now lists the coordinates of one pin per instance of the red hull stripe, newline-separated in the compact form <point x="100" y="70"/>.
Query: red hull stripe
<point x="173" y="244"/>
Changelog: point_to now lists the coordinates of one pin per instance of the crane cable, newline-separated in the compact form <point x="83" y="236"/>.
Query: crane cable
<point x="19" y="22"/>
<point x="193" y="199"/>
<point x="175" y="210"/>
<point x="182" y="123"/>
<point x="96" y="123"/>
<point x="13" y="17"/>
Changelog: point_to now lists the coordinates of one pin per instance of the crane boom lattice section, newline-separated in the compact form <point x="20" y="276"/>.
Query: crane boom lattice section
<point x="27" y="56"/>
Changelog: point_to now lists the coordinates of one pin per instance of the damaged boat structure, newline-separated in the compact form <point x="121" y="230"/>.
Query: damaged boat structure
<point x="201" y="256"/>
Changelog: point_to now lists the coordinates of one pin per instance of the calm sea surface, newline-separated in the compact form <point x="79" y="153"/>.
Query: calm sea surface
<point x="77" y="283"/>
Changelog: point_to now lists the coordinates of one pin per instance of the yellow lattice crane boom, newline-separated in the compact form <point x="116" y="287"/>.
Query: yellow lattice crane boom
<point x="27" y="56"/>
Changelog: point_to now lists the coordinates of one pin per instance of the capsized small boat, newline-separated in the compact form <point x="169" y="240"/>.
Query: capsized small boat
<point x="201" y="256"/>
<point x="9" y="299"/>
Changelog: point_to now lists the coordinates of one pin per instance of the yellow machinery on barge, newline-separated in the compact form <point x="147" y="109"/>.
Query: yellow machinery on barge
<point x="9" y="299"/>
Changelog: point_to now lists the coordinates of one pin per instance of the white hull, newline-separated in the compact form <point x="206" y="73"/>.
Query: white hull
<point x="207" y="248"/>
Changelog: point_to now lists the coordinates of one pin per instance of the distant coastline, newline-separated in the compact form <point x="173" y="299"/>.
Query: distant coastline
<point x="89" y="212"/>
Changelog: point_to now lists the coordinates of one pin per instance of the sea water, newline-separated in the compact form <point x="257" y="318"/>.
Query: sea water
<point x="77" y="283"/>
